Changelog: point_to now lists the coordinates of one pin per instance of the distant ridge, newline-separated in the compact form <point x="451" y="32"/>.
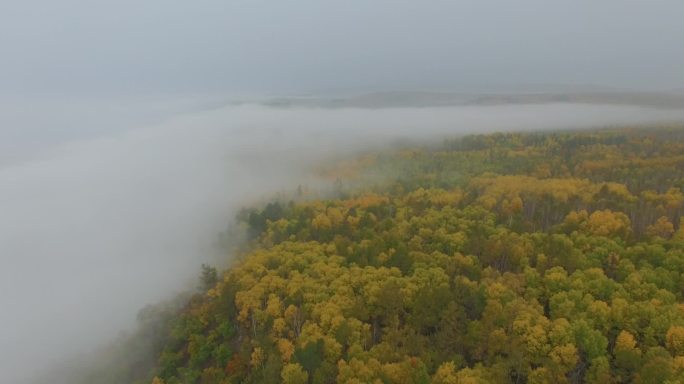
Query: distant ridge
<point x="646" y="99"/>
<point x="399" y="99"/>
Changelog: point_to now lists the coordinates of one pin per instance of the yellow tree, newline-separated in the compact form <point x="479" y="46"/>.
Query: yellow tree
<point x="675" y="340"/>
<point x="661" y="228"/>
<point x="627" y="355"/>
<point x="565" y="358"/>
<point x="294" y="374"/>
<point x="608" y="223"/>
<point x="446" y="374"/>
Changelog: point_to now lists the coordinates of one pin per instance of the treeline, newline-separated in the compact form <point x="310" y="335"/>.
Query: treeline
<point x="506" y="258"/>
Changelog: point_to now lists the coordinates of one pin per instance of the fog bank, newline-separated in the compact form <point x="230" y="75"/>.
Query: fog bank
<point x="106" y="224"/>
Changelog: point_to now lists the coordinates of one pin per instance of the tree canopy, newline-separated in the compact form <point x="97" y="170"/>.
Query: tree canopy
<point x="504" y="258"/>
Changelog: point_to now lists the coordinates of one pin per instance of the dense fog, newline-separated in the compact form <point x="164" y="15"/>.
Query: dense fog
<point x="94" y="226"/>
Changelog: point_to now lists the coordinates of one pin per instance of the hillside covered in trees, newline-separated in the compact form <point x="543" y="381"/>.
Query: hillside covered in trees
<point x="505" y="258"/>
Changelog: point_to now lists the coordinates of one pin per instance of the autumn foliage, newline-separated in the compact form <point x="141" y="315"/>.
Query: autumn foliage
<point x="506" y="258"/>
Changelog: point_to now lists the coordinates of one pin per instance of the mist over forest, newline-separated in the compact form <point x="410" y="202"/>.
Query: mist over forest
<point x="103" y="226"/>
<point x="132" y="135"/>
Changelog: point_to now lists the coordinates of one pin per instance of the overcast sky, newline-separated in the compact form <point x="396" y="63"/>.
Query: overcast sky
<point x="284" y="46"/>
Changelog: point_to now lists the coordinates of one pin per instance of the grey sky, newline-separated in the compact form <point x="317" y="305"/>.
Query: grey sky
<point x="238" y="46"/>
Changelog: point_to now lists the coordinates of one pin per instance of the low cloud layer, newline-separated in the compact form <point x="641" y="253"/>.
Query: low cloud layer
<point x="106" y="225"/>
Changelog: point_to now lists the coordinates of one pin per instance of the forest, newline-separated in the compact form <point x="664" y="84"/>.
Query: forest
<point x="552" y="257"/>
